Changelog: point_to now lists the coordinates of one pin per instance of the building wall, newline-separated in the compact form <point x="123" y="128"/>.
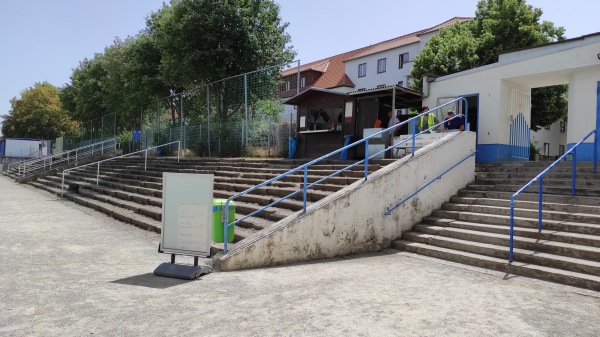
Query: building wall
<point x="392" y="75"/>
<point x="575" y="63"/>
<point x="554" y="137"/>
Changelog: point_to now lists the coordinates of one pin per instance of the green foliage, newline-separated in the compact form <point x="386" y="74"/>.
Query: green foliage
<point x="453" y="50"/>
<point x="38" y="114"/>
<point x="269" y="107"/>
<point x="206" y="41"/>
<point x="499" y="26"/>
<point x="548" y="105"/>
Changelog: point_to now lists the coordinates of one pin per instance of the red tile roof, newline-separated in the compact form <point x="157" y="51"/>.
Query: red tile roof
<point x="406" y="39"/>
<point x="333" y="68"/>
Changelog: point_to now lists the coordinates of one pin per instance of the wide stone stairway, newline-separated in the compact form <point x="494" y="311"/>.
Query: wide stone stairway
<point x="131" y="194"/>
<point x="473" y="227"/>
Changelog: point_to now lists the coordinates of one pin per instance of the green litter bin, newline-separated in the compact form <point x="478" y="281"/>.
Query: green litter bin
<point x="217" y="222"/>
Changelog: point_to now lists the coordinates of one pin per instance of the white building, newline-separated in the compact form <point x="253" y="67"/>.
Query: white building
<point x="499" y="96"/>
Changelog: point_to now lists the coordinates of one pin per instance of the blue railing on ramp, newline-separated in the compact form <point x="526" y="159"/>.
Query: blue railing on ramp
<point x="304" y="168"/>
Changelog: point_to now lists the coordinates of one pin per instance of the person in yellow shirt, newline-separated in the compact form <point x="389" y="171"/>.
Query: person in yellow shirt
<point x="427" y="121"/>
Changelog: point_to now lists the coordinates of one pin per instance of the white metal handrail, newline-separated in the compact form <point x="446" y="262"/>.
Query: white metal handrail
<point x="62" y="186"/>
<point x="65" y="156"/>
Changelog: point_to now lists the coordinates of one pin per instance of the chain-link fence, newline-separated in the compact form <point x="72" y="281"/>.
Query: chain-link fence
<point x="98" y="129"/>
<point x="236" y="117"/>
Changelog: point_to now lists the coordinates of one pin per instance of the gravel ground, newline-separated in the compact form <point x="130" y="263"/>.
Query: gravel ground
<point x="69" y="271"/>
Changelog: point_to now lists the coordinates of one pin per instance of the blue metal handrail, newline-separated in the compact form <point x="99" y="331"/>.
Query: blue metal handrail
<point x="304" y="167"/>
<point x="389" y="211"/>
<point x="540" y="178"/>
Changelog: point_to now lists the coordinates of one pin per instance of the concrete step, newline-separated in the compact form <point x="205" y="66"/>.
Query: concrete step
<point x="546" y="206"/>
<point x="466" y="235"/>
<point x="547" y="235"/>
<point x="580" y="191"/>
<point x="587" y="181"/>
<point x="88" y="199"/>
<point x="524" y="213"/>
<point x="522" y="255"/>
<point x="553" y="198"/>
<point x="493" y="219"/>
<point x="516" y="267"/>
<point x="112" y="196"/>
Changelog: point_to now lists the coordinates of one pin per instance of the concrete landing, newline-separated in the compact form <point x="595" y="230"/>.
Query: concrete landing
<point x="66" y="270"/>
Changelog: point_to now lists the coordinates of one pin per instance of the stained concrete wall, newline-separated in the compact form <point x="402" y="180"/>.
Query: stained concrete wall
<point x="353" y="220"/>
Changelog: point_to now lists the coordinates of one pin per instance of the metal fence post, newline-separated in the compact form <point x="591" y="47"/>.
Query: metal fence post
<point x="269" y="137"/>
<point x="145" y="160"/>
<point x="98" y="174"/>
<point x="574" y="171"/>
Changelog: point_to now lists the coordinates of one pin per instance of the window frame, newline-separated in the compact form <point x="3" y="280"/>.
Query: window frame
<point x="302" y="82"/>
<point x="381" y="69"/>
<point x="362" y="66"/>
<point x="402" y="60"/>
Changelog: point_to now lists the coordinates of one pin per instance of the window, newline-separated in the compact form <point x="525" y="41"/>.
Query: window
<point x="287" y="86"/>
<point x="302" y="82"/>
<point x="381" y="66"/>
<point x="546" y="149"/>
<point x="402" y="59"/>
<point x="563" y="126"/>
<point x="362" y="70"/>
<point x="561" y="150"/>
<point x="400" y="83"/>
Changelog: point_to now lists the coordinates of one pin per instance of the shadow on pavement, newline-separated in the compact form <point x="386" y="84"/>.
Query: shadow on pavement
<point x="151" y="281"/>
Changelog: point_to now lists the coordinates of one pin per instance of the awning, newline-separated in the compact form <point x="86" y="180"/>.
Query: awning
<point x="309" y="93"/>
<point x="401" y="97"/>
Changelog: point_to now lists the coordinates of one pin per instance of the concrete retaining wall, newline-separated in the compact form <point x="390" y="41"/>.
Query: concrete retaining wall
<point x="353" y="220"/>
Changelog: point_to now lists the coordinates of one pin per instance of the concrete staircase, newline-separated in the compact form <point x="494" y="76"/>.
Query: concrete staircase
<point x="473" y="226"/>
<point x="131" y="194"/>
<point x="420" y="142"/>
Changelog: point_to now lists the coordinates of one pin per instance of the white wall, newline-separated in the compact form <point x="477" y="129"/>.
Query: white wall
<point x="353" y="220"/>
<point x="582" y="102"/>
<point x="392" y="74"/>
<point x="575" y="63"/>
<point x="22" y="148"/>
<point x="553" y="137"/>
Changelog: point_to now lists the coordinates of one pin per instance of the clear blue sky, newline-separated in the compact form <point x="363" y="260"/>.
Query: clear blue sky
<point x="43" y="40"/>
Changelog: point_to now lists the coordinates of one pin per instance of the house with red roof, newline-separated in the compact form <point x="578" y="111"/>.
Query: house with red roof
<point x="334" y="99"/>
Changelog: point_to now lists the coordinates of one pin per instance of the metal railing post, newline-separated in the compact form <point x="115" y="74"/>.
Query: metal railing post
<point x="76" y="153"/>
<point x="178" y="150"/>
<point x="98" y="174"/>
<point x="595" y="150"/>
<point x="366" y="158"/>
<point x="145" y="160"/>
<point x="414" y="132"/>
<point x="62" y="185"/>
<point x="540" y="193"/>
<point x="574" y="171"/>
<point x="305" y="189"/>
<point x="512" y="228"/>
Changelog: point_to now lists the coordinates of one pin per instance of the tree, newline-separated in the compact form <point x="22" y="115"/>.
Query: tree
<point x="499" y="26"/>
<point x="205" y="41"/>
<point x="38" y="114"/>
<point x="124" y="80"/>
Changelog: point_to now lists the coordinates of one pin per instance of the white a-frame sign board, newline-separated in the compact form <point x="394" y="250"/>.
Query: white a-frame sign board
<point x="187" y="213"/>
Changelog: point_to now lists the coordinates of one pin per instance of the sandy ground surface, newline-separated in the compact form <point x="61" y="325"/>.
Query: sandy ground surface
<point x="69" y="271"/>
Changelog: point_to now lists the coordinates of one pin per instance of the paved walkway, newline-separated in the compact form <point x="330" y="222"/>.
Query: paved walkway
<point x="68" y="271"/>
